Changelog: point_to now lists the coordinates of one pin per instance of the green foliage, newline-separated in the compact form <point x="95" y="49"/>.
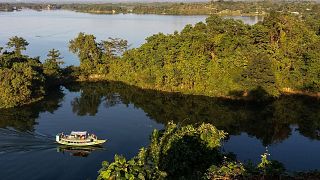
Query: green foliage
<point x="270" y="168"/>
<point x="21" y="77"/>
<point x="95" y="57"/>
<point x="51" y="66"/>
<point x="21" y="84"/>
<point x="88" y="52"/>
<point x="187" y="153"/>
<point x="122" y="169"/>
<point x="113" y="47"/>
<point x="229" y="170"/>
<point x="224" y="57"/>
<point x="18" y="43"/>
<point x="264" y="162"/>
<point x="192" y="150"/>
<point x="259" y="77"/>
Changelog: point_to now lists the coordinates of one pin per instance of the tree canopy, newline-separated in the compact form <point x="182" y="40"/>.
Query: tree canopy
<point x="221" y="57"/>
<point x="95" y="57"/>
<point x="18" y="43"/>
<point x="22" y="78"/>
<point x="51" y="66"/>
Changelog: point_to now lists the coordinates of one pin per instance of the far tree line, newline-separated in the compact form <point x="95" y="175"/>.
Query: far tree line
<point x="244" y="8"/>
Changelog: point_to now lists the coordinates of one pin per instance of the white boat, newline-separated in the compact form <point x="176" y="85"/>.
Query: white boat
<point x="78" y="138"/>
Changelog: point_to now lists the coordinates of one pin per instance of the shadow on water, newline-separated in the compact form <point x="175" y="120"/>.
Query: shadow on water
<point x="24" y="118"/>
<point x="17" y="132"/>
<point x="271" y="122"/>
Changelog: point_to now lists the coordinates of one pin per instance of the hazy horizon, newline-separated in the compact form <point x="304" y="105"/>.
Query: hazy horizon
<point x="125" y="1"/>
<point x="95" y="1"/>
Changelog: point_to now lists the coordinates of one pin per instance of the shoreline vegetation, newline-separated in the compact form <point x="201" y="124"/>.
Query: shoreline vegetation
<point x="221" y="8"/>
<point x="217" y="58"/>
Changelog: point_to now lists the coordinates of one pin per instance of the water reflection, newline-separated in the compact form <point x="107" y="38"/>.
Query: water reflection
<point x="78" y="151"/>
<point x="127" y="115"/>
<point x="24" y="118"/>
<point x="270" y="122"/>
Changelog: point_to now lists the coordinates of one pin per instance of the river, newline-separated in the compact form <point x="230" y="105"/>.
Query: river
<point x="288" y="127"/>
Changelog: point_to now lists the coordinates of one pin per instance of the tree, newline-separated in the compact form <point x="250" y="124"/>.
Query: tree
<point x="18" y="43"/>
<point x="86" y="48"/>
<point x="114" y="47"/>
<point x="21" y="84"/>
<point x="95" y="57"/>
<point x="259" y="77"/>
<point x="52" y="64"/>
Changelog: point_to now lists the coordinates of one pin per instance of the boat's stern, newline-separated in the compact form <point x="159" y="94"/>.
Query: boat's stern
<point x="58" y="137"/>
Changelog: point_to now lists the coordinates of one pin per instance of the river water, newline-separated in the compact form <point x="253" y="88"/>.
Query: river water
<point x="288" y="127"/>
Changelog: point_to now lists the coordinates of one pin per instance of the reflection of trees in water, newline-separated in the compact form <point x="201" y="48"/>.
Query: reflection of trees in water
<point x="23" y="118"/>
<point x="269" y="121"/>
<point x="92" y="95"/>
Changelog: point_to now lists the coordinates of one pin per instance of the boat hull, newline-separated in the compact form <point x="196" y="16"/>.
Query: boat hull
<point x="93" y="143"/>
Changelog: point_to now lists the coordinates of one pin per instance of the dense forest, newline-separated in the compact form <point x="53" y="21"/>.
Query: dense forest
<point x="24" y="79"/>
<point x="199" y="8"/>
<point x="221" y="57"/>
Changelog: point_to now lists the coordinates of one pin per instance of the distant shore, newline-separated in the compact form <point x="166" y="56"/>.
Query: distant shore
<point x="160" y="8"/>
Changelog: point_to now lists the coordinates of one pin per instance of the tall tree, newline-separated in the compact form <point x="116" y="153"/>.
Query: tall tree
<point x="18" y="43"/>
<point x="114" y="46"/>
<point x="52" y="64"/>
<point x="259" y="76"/>
<point x="86" y="48"/>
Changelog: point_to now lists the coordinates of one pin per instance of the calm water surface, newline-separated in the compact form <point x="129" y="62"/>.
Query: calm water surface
<point x="126" y="116"/>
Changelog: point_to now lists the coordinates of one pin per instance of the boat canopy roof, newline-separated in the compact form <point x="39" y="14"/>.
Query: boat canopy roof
<point x="79" y="133"/>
